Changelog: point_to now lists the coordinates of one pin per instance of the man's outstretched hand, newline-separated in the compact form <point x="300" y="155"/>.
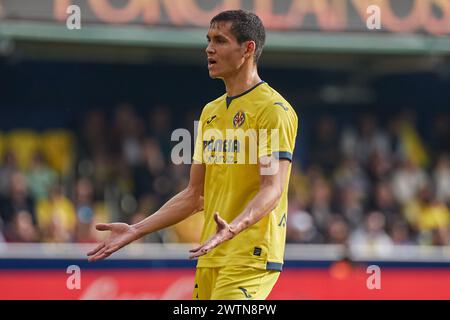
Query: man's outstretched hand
<point x="223" y="233"/>
<point x="121" y="235"/>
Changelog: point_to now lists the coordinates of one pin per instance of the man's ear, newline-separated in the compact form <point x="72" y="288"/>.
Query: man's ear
<point x="250" y="48"/>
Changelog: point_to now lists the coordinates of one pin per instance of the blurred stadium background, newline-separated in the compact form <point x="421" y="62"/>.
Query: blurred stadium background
<point x="86" y="118"/>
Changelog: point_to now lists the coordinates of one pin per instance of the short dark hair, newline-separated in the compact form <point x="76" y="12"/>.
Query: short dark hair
<point x="246" y="26"/>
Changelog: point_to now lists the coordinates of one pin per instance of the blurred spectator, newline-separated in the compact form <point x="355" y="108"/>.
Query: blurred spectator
<point x="17" y="200"/>
<point x="300" y="226"/>
<point x="400" y="233"/>
<point x="160" y="127"/>
<point x="150" y="166"/>
<point x="325" y="144"/>
<point x="440" y="237"/>
<point x="321" y="203"/>
<point x="371" y="238"/>
<point x="367" y="140"/>
<point x="384" y="201"/>
<point x="432" y="218"/>
<point x="379" y="167"/>
<point x="351" y="173"/>
<point x="350" y="205"/>
<point x="2" y="230"/>
<point x="441" y="179"/>
<point x="337" y="231"/>
<point x="88" y="212"/>
<point x="22" y="228"/>
<point x="299" y="186"/>
<point x="94" y="135"/>
<point x="440" y="134"/>
<point x="128" y="131"/>
<point x="103" y="169"/>
<point x="57" y="217"/>
<point x="40" y="177"/>
<point x="7" y="169"/>
<point x="407" y="181"/>
<point x="95" y="152"/>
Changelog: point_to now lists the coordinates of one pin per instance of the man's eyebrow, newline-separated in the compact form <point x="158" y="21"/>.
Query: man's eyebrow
<point x="217" y="37"/>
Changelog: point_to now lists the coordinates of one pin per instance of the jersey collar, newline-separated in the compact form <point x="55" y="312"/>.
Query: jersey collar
<point x="230" y="99"/>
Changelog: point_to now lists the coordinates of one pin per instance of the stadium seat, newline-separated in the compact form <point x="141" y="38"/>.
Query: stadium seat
<point x="23" y="143"/>
<point x="58" y="149"/>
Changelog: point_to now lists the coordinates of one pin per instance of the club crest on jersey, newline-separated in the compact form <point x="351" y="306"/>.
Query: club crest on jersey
<point x="239" y="119"/>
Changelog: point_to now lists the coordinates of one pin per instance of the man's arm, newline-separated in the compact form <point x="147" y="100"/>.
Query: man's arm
<point x="267" y="198"/>
<point x="181" y="206"/>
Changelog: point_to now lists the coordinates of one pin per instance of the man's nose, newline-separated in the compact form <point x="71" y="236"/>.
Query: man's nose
<point x="209" y="49"/>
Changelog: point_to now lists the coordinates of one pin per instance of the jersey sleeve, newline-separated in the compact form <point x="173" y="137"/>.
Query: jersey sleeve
<point x="198" y="147"/>
<point x="277" y="131"/>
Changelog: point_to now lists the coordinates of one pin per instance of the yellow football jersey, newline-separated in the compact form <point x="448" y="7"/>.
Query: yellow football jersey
<point x="233" y="133"/>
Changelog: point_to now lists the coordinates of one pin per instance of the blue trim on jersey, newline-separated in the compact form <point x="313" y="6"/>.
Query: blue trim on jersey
<point x="283" y="155"/>
<point x="230" y="99"/>
<point x="274" y="266"/>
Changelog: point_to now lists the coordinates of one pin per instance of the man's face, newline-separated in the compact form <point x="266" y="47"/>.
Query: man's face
<point x="225" y="55"/>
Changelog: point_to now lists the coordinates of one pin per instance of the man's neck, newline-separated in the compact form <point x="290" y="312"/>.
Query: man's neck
<point x="241" y="81"/>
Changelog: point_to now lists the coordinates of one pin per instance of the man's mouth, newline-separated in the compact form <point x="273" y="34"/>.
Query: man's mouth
<point x="211" y="62"/>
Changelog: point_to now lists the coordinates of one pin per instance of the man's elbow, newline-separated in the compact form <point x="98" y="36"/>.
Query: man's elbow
<point x="278" y="194"/>
<point x="194" y="196"/>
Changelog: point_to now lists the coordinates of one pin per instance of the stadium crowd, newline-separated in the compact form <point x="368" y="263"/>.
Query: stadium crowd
<point x="369" y="181"/>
